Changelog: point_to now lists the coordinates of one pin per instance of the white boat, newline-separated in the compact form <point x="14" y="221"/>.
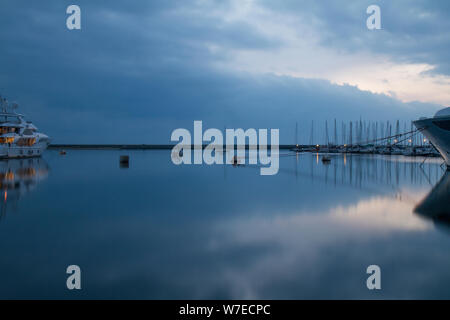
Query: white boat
<point x="19" y="138"/>
<point x="437" y="131"/>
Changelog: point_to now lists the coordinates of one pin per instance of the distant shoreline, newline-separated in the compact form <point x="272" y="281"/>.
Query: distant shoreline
<point x="141" y="146"/>
<point x="293" y="147"/>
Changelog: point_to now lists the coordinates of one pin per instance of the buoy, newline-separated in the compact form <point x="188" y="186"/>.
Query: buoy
<point x="124" y="161"/>
<point x="62" y="152"/>
<point x="326" y="159"/>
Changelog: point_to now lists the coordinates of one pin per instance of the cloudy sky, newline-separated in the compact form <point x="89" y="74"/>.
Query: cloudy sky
<point x="137" y="70"/>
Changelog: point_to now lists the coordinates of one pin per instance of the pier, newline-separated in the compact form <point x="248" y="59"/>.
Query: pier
<point x="425" y="150"/>
<point x="355" y="137"/>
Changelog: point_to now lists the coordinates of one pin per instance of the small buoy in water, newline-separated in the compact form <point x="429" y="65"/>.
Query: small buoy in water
<point x="124" y="161"/>
<point x="326" y="159"/>
<point x="62" y="152"/>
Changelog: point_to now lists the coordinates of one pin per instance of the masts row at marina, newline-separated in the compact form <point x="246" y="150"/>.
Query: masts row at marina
<point x="368" y="137"/>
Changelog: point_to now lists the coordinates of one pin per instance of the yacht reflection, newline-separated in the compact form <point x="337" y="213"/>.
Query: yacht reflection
<point x="436" y="205"/>
<point x="18" y="177"/>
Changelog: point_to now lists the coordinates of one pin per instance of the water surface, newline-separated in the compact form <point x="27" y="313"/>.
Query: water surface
<point x="160" y="231"/>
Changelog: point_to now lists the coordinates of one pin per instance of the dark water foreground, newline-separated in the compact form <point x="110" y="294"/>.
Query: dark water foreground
<point x="156" y="230"/>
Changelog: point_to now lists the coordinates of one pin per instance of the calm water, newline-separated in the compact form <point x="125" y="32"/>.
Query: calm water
<point x="156" y="230"/>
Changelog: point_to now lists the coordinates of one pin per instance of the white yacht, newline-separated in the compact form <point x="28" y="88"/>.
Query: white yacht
<point x="437" y="131"/>
<point x="19" y="138"/>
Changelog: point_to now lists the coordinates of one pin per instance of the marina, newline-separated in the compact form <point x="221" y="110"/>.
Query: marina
<point x="225" y="158"/>
<point x="378" y="185"/>
<point x="429" y="139"/>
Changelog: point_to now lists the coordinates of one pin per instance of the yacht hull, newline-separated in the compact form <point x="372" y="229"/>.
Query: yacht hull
<point x="439" y="137"/>
<point x="13" y="152"/>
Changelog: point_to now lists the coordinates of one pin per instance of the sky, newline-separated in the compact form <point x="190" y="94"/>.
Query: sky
<point x="137" y="70"/>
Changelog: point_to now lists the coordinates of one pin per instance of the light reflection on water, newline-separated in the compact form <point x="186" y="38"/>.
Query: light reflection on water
<point x="156" y="230"/>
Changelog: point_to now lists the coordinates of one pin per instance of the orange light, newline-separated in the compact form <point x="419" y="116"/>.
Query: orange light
<point x="6" y="139"/>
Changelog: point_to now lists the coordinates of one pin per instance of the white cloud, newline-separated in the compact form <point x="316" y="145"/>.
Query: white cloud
<point x="303" y="54"/>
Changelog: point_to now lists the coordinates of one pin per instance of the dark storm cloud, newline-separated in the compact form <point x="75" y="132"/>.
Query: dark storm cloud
<point x="137" y="70"/>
